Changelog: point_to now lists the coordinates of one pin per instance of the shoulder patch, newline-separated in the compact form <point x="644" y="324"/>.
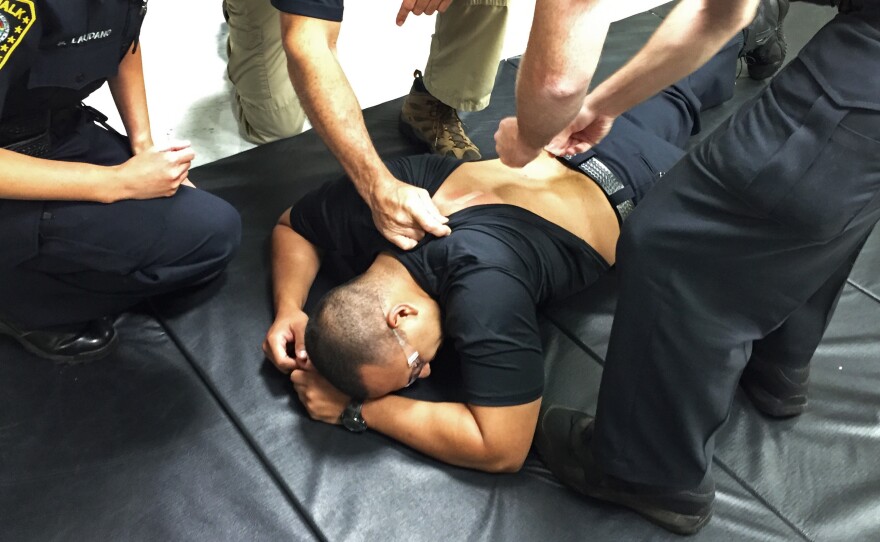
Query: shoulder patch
<point x="16" y="18"/>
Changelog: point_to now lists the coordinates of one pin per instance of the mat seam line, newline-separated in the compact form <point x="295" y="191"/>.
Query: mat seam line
<point x="239" y="426"/>
<point x="864" y="290"/>
<point x="730" y="472"/>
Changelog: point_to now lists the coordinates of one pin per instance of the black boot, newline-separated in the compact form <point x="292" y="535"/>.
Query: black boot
<point x="563" y="441"/>
<point x="777" y="391"/>
<point x="765" y="47"/>
<point x="74" y="344"/>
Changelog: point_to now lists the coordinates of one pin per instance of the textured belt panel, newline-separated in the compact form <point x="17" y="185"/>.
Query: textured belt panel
<point x="37" y="146"/>
<point x="608" y="182"/>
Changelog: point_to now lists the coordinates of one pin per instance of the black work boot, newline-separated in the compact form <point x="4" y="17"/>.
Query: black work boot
<point x="765" y="47"/>
<point x="777" y="391"/>
<point x="563" y="441"/>
<point x="75" y="344"/>
<point x="427" y="119"/>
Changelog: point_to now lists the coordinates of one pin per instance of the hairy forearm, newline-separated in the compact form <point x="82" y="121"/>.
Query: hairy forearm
<point x="491" y="439"/>
<point x="688" y="37"/>
<point x="331" y="106"/>
<point x="130" y="96"/>
<point x="563" y="49"/>
<point x="27" y="178"/>
<point x="295" y="263"/>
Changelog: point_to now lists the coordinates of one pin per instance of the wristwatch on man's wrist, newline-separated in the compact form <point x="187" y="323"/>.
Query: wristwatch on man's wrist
<point x="352" y="419"/>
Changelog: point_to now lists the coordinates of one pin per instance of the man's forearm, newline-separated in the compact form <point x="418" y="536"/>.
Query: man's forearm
<point x="329" y="101"/>
<point x="130" y="96"/>
<point x="563" y="50"/>
<point x="295" y="263"/>
<point x="689" y="36"/>
<point x="452" y="433"/>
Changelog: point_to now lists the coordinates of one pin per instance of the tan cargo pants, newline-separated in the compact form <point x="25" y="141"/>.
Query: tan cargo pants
<point x="465" y="50"/>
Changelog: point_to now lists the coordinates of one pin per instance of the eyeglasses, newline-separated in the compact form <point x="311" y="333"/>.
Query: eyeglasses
<point x="412" y="358"/>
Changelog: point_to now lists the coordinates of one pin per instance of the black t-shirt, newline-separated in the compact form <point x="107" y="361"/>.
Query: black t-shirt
<point x="330" y="10"/>
<point x="489" y="276"/>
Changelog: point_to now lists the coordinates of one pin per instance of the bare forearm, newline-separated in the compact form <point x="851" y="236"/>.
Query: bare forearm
<point x="130" y="96"/>
<point x="491" y="439"/>
<point x="334" y="111"/>
<point x="444" y="431"/>
<point x="563" y="50"/>
<point x="688" y="37"/>
<point x="295" y="263"/>
<point x="27" y="178"/>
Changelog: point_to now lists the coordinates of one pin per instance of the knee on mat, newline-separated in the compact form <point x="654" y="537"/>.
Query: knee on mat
<point x="226" y="228"/>
<point x="216" y="235"/>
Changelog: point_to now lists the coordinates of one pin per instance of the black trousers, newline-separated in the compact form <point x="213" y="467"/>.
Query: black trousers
<point x="740" y="254"/>
<point x="81" y="260"/>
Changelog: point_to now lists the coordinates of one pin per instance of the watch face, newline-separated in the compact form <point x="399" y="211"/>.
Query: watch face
<point x="353" y="424"/>
<point x="352" y="420"/>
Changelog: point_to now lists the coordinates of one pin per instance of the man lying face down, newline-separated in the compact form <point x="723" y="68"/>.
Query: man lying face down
<point x="520" y="238"/>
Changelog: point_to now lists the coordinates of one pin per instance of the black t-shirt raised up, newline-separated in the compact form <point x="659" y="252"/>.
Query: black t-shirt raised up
<point x="489" y="276"/>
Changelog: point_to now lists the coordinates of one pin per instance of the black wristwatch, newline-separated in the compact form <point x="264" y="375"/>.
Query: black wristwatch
<point x="352" y="419"/>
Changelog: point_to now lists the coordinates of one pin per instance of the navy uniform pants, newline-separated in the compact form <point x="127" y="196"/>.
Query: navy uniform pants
<point x="739" y="257"/>
<point x="84" y="260"/>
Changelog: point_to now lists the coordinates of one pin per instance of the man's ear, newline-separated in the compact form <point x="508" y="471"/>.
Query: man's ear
<point x="400" y="311"/>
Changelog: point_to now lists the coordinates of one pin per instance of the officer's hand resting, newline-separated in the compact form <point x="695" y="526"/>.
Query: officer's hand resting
<point x="155" y="173"/>
<point x="404" y="213"/>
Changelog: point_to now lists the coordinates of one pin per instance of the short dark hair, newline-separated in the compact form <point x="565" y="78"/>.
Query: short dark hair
<point x="346" y="332"/>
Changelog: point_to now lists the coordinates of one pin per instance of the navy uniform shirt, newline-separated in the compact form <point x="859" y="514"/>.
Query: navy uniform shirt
<point x="54" y="53"/>
<point x="489" y="276"/>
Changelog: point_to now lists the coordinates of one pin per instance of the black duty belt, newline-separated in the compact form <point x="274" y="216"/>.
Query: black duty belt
<point x="618" y="194"/>
<point x="32" y="134"/>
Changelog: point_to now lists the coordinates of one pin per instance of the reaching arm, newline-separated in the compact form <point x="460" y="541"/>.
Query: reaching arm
<point x="561" y="56"/>
<point x="688" y="37"/>
<point x="492" y="439"/>
<point x="130" y="96"/>
<point x="692" y="32"/>
<point x="295" y="263"/>
<point x="402" y="213"/>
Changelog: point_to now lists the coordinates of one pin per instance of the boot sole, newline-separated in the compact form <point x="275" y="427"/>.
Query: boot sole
<point x="773" y="406"/>
<point x="77" y="359"/>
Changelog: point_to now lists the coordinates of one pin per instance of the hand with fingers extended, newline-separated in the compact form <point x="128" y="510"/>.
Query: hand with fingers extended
<point x="323" y="402"/>
<point x="286" y="332"/>
<point x="157" y="172"/>
<point x="586" y="130"/>
<point x="404" y="213"/>
<point x="419" y="7"/>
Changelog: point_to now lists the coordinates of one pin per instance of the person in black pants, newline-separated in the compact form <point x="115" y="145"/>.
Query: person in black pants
<point x="519" y="239"/>
<point x="91" y="222"/>
<point x="729" y="273"/>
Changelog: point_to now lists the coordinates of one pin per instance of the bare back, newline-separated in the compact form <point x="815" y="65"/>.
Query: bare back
<point x="545" y="187"/>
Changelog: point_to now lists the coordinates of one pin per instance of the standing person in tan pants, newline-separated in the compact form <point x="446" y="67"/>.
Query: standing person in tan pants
<point x="266" y="107"/>
<point x="460" y="72"/>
